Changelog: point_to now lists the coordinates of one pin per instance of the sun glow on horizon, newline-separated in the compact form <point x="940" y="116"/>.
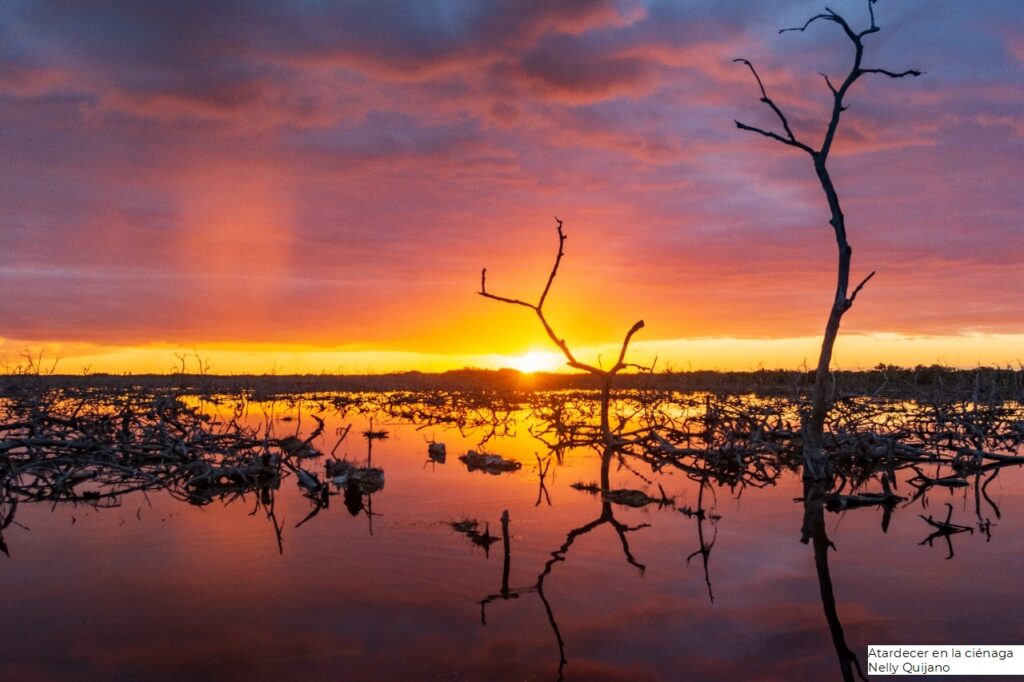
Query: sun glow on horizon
<point x="853" y="351"/>
<point x="537" y="361"/>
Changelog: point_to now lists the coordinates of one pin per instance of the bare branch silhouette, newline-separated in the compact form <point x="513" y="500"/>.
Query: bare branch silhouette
<point x="606" y="375"/>
<point x="790" y="139"/>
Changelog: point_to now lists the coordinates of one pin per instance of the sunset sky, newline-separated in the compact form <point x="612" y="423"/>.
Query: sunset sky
<point x="314" y="186"/>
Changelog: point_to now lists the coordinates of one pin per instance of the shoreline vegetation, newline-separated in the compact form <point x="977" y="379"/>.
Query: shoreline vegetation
<point x="981" y="383"/>
<point x="92" y="439"/>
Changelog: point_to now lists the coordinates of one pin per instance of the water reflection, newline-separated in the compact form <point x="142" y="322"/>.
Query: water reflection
<point x="702" y="516"/>
<point x="606" y="516"/>
<point x="813" y="532"/>
<point x="289" y="457"/>
<point x="944" y="529"/>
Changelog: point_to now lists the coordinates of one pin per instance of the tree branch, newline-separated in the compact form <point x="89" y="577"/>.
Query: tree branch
<point x="829" y="83"/>
<point x="483" y="292"/>
<point x="764" y="95"/>
<point x="558" y="259"/>
<point x="790" y="139"/>
<point x="775" y="136"/>
<point x="538" y="308"/>
<point x="891" y="74"/>
<point x="619" y="364"/>
<point x="846" y="27"/>
<point x="827" y="17"/>
<point x="849" y="301"/>
<point x="855" y="73"/>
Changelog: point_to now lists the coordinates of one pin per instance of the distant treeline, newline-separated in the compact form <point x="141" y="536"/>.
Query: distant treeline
<point x="983" y="383"/>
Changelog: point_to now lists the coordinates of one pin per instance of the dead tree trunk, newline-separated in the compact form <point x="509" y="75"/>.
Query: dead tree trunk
<point x="816" y="464"/>
<point x="606" y="376"/>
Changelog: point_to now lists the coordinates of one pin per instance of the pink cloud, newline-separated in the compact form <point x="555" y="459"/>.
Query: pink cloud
<point x="164" y="172"/>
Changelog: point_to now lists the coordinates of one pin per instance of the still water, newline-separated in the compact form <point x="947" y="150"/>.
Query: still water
<point x="155" y="588"/>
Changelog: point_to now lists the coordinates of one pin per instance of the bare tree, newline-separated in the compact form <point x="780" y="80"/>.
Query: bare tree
<point x="815" y="461"/>
<point x="605" y="375"/>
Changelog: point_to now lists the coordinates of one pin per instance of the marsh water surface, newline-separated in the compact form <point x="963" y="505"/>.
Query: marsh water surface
<point x="707" y="580"/>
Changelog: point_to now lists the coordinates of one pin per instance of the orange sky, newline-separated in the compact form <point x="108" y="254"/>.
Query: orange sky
<point x="306" y="188"/>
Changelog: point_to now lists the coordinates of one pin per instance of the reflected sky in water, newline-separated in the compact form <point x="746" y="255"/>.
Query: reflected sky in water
<point x="160" y="589"/>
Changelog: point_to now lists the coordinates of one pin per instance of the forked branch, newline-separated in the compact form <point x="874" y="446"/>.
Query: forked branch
<point x="838" y="93"/>
<point x="790" y="139"/>
<point x="538" y="308"/>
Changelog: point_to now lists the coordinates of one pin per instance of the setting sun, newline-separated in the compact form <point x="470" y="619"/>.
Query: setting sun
<point x="537" y="361"/>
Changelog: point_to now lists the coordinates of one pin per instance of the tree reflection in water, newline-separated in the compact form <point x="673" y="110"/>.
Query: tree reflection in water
<point x="96" y="448"/>
<point x="813" y="532"/>
<point x="606" y="516"/>
<point x="722" y="453"/>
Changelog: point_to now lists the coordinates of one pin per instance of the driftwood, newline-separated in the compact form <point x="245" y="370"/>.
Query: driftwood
<point x="886" y="498"/>
<point x="627" y="497"/>
<point x="344" y="474"/>
<point x="491" y="464"/>
<point x="95" y="447"/>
